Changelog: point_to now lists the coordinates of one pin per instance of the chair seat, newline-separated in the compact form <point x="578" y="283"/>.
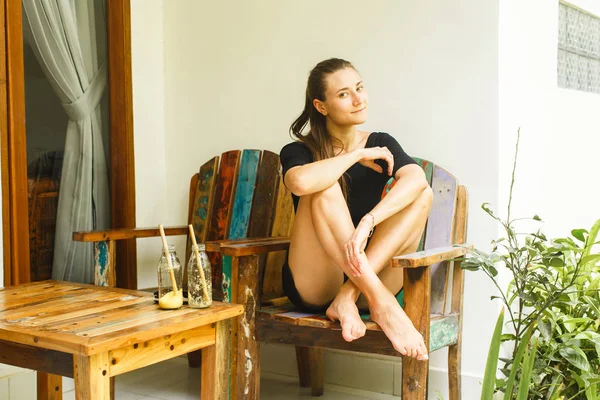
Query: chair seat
<point x="443" y="328"/>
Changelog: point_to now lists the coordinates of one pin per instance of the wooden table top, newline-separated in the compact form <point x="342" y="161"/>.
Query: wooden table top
<point x="86" y="319"/>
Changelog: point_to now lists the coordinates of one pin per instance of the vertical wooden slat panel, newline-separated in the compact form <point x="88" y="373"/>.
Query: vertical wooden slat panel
<point x="282" y="226"/>
<point x="122" y="161"/>
<point x="247" y="348"/>
<point x="244" y="193"/>
<point x="264" y="204"/>
<point x="265" y="194"/>
<point x="232" y="343"/>
<point x="454" y="351"/>
<point x="4" y="162"/>
<point x="221" y="213"/>
<point x="14" y="162"/>
<point x="101" y="263"/>
<point x="202" y="190"/>
<point x="417" y="286"/>
<point x="440" y="232"/>
<point x="240" y="213"/>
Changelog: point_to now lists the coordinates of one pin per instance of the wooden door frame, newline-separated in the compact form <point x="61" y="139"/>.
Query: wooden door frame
<point x="13" y="138"/>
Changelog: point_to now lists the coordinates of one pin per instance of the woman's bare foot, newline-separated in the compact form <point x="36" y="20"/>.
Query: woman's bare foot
<point x="344" y="309"/>
<point x="398" y="328"/>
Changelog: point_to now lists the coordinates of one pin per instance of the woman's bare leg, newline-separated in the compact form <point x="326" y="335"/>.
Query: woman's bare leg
<point x="399" y="234"/>
<point x="317" y="276"/>
<point x="333" y="232"/>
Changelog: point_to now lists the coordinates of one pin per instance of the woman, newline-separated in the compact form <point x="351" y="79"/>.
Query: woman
<point x="336" y="174"/>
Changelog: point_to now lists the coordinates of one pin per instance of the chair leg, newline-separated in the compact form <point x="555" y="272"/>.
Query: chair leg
<point x="195" y="359"/>
<point x="315" y="357"/>
<point x="454" y="371"/>
<point x="303" y="365"/>
<point x="414" y="379"/>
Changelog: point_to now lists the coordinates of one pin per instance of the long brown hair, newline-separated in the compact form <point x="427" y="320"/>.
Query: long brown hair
<point x="317" y="139"/>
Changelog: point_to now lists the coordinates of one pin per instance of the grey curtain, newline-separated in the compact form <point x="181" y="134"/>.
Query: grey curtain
<point x="63" y="36"/>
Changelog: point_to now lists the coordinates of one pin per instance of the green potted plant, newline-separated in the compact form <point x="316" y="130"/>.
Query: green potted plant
<point x="551" y="312"/>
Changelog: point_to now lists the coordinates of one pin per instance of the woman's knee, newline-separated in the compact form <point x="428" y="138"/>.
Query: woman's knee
<point x="425" y="198"/>
<point x="328" y="196"/>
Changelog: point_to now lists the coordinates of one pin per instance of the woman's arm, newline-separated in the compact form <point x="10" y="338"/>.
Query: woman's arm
<point x="411" y="183"/>
<point x="320" y="175"/>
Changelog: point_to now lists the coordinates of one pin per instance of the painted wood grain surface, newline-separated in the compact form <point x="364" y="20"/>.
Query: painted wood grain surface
<point x="244" y="194"/>
<point x="87" y="319"/>
<point x="440" y="232"/>
<point x="221" y="212"/>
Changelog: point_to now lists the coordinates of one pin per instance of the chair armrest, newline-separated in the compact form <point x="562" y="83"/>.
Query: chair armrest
<point x="429" y="257"/>
<point x="127" y="233"/>
<point x="246" y="247"/>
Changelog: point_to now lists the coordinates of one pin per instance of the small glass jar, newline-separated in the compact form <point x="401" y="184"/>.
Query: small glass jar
<point x="197" y="297"/>
<point x="167" y="299"/>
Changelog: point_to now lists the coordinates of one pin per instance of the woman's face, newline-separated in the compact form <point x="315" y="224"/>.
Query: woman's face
<point x="346" y="98"/>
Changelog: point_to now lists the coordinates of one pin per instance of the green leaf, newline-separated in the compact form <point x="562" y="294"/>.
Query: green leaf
<point x="576" y="357"/>
<point x="487" y="209"/>
<point x="555" y="386"/>
<point x="579" y="234"/>
<point x="517" y="363"/>
<point x="556" y="262"/>
<point x="491" y="365"/>
<point x="545" y="328"/>
<point x="507" y="337"/>
<point x="593" y="258"/>
<point x="591" y="393"/>
<point x="528" y="363"/>
<point x="527" y="297"/>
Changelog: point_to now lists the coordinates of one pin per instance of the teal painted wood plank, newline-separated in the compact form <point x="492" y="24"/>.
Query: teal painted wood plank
<point x="242" y="206"/>
<point x="443" y="332"/>
<point x="244" y="192"/>
<point x="101" y="260"/>
<point x="226" y="280"/>
<point x="439" y="232"/>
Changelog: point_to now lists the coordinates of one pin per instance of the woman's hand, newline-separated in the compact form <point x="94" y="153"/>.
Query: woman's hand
<point x="370" y="154"/>
<point x="355" y="246"/>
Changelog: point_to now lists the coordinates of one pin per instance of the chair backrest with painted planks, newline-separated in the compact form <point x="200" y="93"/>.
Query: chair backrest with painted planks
<point x="243" y="196"/>
<point x="238" y="198"/>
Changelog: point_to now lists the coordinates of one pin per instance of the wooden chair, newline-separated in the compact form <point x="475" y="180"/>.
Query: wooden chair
<point x="241" y="209"/>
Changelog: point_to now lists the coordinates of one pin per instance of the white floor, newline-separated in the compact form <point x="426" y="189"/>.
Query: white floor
<point x="174" y="380"/>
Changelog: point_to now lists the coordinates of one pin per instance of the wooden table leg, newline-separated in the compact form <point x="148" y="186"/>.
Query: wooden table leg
<point x="214" y="383"/>
<point x="49" y="386"/>
<point x="92" y="381"/>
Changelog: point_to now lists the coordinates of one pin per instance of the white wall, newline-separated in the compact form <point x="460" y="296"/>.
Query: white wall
<point x="151" y="173"/>
<point x="559" y="127"/>
<point x="234" y="77"/>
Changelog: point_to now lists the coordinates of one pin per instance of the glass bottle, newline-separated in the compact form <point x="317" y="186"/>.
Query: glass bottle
<point x="167" y="299"/>
<point x="196" y="294"/>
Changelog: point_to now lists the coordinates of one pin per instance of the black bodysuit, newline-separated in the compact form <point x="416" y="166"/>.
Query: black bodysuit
<point x="365" y="187"/>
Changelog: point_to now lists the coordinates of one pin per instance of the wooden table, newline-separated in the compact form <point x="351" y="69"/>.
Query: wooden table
<point x="94" y="333"/>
